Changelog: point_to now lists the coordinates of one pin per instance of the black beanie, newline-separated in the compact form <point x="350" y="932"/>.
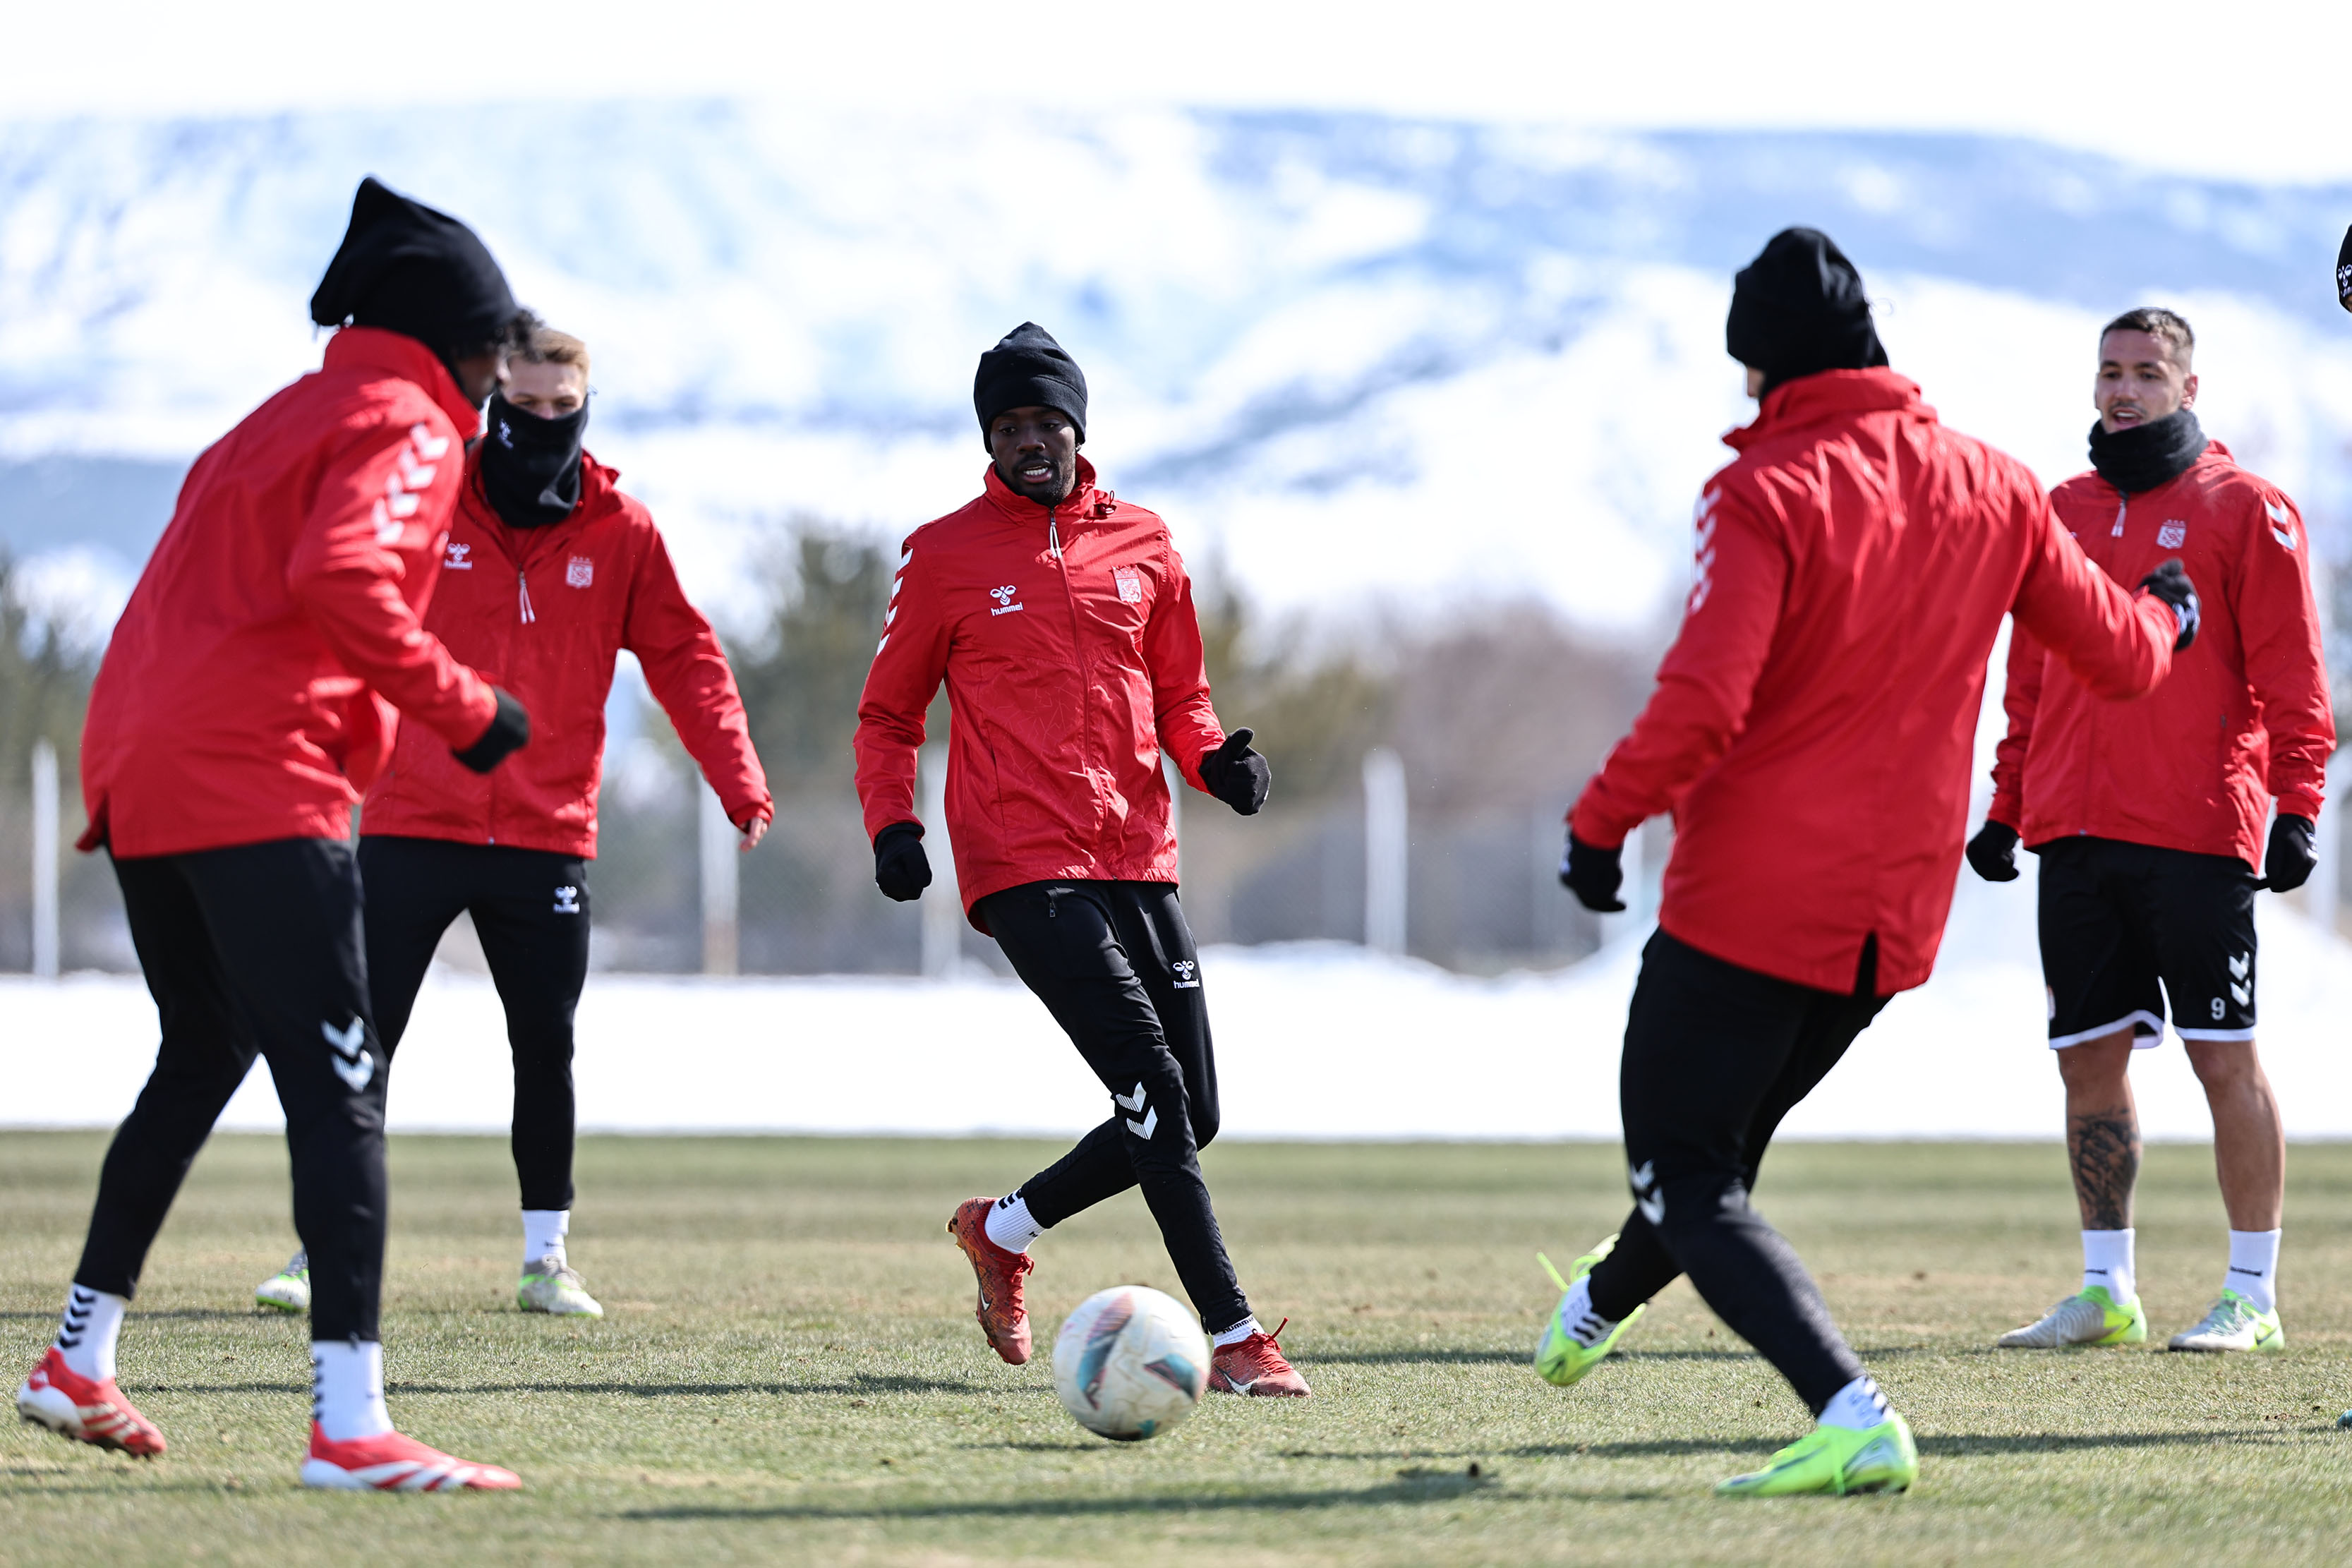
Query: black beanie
<point x="1799" y="309"/>
<point x="407" y="268"/>
<point x="1027" y="369"/>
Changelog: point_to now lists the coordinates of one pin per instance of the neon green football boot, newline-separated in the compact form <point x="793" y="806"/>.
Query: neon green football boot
<point x="1837" y="1460"/>
<point x="289" y="1290"/>
<point x="1561" y="1357"/>
<point x="2091" y="1317"/>
<point x="2233" y="1324"/>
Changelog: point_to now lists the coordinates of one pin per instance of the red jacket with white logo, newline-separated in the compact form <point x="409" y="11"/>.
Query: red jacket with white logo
<point x="244" y="695"/>
<point x="543" y="612"/>
<point x="1811" y="727"/>
<point x="1068" y="671"/>
<point x="2244" y="716"/>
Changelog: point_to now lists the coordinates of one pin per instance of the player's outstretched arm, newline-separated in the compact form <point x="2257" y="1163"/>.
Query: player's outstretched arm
<point x="2118" y="644"/>
<point x="1706" y="683"/>
<point x="379" y="509"/>
<point x="687" y="671"/>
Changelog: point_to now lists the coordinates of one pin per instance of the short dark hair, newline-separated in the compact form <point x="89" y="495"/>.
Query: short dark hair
<point x="2157" y="322"/>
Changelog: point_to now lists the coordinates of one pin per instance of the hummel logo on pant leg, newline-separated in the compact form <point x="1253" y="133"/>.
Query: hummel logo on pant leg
<point x="1151" y="1123"/>
<point x="1646" y="1197"/>
<point x="353" y="1066"/>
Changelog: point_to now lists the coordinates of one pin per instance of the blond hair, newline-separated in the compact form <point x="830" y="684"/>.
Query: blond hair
<point x="548" y="346"/>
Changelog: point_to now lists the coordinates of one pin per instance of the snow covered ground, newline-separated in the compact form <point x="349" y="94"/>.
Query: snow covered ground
<point x="1314" y="1041"/>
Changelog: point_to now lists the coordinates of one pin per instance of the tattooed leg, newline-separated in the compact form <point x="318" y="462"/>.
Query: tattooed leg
<point x="2102" y="1129"/>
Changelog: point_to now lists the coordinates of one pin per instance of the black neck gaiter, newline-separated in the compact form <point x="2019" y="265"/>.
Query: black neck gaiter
<point x="530" y="466"/>
<point x="2141" y="457"/>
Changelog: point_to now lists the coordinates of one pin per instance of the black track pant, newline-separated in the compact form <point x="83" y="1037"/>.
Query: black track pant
<point x="1715" y="1056"/>
<point x="531" y="909"/>
<point x="1114" y="963"/>
<point x="255" y="949"/>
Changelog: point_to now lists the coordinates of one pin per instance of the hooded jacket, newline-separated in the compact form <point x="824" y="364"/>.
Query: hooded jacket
<point x="1813" y="720"/>
<point x="248" y="689"/>
<point x="2244" y="716"/>
<point x="1069" y="671"/>
<point x="543" y="612"/>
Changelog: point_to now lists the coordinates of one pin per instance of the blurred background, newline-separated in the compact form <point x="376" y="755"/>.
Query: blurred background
<point x="1413" y="333"/>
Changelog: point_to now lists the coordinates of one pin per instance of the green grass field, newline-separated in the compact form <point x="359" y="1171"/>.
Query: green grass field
<point x="790" y="1372"/>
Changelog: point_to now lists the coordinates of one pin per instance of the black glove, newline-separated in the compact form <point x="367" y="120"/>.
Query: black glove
<point x="901" y="870"/>
<point x="510" y="731"/>
<point x="1993" y="851"/>
<point x="2287" y="863"/>
<point x="1237" y="775"/>
<point x="2344" y="271"/>
<point x="2170" y="582"/>
<point x="1592" y="874"/>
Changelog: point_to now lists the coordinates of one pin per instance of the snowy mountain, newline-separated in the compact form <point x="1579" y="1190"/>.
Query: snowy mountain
<point x="1358" y="356"/>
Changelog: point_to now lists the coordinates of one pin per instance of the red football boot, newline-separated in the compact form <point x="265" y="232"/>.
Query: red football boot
<point x="87" y="1409"/>
<point x="392" y="1463"/>
<point x="1255" y="1367"/>
<point x="1003" y="1317"/>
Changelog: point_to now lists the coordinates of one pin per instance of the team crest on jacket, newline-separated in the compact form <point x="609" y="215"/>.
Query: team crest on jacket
<point x="579" y="572"/>
<point x="1130" y="584"/>
<point x="2172" y="535"/>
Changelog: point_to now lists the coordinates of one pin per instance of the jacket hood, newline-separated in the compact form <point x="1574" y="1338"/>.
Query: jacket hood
<point x="373" y="348"/>
<point x="1081" y="499"/>
<point x="1809" y="399"/>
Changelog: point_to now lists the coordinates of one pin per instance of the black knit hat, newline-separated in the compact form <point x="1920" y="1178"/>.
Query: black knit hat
<point x="407" y="268"/>
<point x="1027" y="369"/>
<point x="1799" y="309"/>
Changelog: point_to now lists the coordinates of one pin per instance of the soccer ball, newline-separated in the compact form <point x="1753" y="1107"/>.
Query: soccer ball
<point x="1131" y="1362"/>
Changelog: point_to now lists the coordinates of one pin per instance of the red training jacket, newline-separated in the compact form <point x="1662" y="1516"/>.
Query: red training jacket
<point x="2244" y="716"/>
<point x="543" y="612"/>
<point x="1812" y="723"/>
<point x="1069" y="672"/>
<point x="243" y="697"/>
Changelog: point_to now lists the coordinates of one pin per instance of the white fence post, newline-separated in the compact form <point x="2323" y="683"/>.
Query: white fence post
<point x="721" y="896"/>
<point x="44" y="860"/>
<point x="2323" y="889"/>
<point x="1386" y="842"/>
<point x="942" y="908"/>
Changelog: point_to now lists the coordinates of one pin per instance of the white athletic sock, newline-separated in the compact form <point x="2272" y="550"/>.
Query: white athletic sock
<point x="542" y="1234"/>
<point x="347" y="1389"/>
<point x="86" y="1332"/>
<point x="1858" y="1405"/>
<point x="1010" y="1224"/>
<point x="1579" y="1320"/>
<point x="2107" y="1260"/>
<point x="1238" y="1332"/>
<point x="2254" y="1268"/>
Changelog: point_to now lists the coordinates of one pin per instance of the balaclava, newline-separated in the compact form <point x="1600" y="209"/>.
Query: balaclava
<point x="1029" y="369"/>
<point x="407" y="268"/>
<point x="530" y="466"/>
<point x="1799" y="309"/>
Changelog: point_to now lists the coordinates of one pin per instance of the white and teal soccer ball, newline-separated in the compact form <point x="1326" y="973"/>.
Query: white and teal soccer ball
<point x="1131" y="1362"/>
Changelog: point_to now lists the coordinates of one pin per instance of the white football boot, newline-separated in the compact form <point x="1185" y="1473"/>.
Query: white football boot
<point x="289" y="1290"/>
<point x="553" y="1286"/>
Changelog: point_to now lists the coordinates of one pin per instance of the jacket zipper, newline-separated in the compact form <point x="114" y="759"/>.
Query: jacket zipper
<point x="1078" y="658"/>
<point x="522" y="589"/>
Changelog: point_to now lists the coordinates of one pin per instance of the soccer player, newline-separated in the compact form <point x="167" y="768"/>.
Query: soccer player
<point x="241" y="707"/>
<point x="2149" y="817"/>
<point x="1811" y="732"/>
<point x="549" y="571"/>
<point x="1062" y="621"/>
